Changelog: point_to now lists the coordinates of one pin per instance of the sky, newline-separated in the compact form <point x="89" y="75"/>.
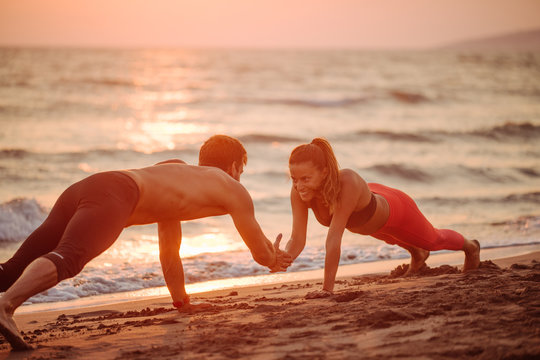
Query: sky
<point x="260" y="23"/>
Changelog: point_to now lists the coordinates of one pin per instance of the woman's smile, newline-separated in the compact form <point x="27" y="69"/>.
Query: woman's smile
<point x="307" y="179"/>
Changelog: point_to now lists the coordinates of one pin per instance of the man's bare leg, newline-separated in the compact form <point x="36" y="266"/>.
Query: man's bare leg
<point x="472" y="255"/>
<point x="39" y="276"/>
<point x="418" y="259"/>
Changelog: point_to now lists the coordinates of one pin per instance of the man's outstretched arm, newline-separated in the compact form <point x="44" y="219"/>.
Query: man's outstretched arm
<point x="170" y="237"/>
<point x="262" y="250"/>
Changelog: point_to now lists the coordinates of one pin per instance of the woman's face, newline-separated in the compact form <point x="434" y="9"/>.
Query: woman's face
<point x="307" y="179"/>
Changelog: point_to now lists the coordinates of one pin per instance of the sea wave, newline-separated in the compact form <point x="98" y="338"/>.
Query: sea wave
<point x="402" y="96"/>
<point x="533" y="197"/>
<point x="267" y="138"/>
<point x="95" y="280"/>
<point x="269" y="174"/>
<point x="14" y="153"/>
<point x="402" y="171"/>
<point x="522" y="222"/>
<point x="104" y="81"/>
<point x="528" y="172"/>
<point x="394" y="136"/>
<point x="313" y="103"/>
<point x="524" y="130"/>
<point x="19" y="217"/>
<point x="408" y="97"/>
<point x="427" y="175"/>
<point x="508" y="199"/>
<point x="506" y="131"/>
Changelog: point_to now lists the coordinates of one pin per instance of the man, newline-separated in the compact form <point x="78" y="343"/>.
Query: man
<point x="90" y="215"/>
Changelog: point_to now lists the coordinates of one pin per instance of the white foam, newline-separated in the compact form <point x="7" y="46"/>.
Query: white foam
<point x="19" y="217"/>
<point x="98" y="278"/>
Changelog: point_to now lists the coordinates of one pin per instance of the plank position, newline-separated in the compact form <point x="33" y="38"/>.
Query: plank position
<point x="341" y="199"/>
<point x="90" y="215"/>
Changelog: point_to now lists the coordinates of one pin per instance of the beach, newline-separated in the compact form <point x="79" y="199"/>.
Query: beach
<point x="452" y="122"/>
<point x="489" y="313"/>
<point x="456" y="130"/>
<point x="433" y="124"/>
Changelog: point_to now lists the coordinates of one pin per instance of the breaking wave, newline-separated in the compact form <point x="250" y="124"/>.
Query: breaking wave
<point x="19" y="217"/>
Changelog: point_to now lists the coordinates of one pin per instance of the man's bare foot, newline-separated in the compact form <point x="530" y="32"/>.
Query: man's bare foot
<point x="418" y="260"/>
<point x="11" y="333"/>
<point x="472" y="255"/>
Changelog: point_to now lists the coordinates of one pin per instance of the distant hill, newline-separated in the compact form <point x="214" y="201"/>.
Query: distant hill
<point x="518" y="41"/>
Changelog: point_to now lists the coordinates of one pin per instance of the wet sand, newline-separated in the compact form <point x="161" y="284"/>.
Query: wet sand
<point x="489" y="313"/>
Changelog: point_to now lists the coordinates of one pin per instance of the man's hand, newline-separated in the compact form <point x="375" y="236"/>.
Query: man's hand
<point x="283" y="259"/>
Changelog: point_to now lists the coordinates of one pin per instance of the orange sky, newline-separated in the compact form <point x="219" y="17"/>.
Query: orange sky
<point x="260" y="23"/>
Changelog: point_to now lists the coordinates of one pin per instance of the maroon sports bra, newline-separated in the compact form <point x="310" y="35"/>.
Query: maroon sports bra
<point x="357" y="218"/>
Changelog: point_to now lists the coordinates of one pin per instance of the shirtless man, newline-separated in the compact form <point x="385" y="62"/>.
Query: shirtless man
<point x="90" y="215"/>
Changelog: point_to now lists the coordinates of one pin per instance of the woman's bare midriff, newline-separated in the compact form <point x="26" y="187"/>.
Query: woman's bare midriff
<point x="376" y="221"/>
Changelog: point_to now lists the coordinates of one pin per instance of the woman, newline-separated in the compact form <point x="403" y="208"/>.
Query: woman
<point x="341" y="199"/>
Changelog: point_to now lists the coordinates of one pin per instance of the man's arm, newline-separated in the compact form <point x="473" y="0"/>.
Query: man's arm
<point x="243" y="214"/>
<point x="170" y="237"/>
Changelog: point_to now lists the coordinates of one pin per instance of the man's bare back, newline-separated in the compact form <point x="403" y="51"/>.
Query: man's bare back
<point x="173" y="191"/>
<point x="176" y="191"/>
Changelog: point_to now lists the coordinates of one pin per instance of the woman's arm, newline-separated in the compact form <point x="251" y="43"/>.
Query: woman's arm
<point x="348" y="199"/>
<point x="333" y="254"/>
<point x="297" y="241"/>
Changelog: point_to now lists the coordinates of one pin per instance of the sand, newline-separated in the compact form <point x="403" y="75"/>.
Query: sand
<point x="489" y="313"/>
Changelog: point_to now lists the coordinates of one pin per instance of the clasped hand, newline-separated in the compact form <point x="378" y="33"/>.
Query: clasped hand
<point x="283" y="259"/>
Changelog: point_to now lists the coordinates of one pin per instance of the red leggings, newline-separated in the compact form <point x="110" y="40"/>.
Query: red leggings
<point x="406" y="225"/>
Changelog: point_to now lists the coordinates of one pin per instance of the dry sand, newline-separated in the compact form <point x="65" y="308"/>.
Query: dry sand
<point x="489" y="313"/>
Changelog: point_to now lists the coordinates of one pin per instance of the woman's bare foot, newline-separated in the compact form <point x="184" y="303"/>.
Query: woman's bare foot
<point x="418" y="260"/>
<point x="472" y="255"/>
<point x="195" y="306"/>
<point x="11" y="333"/>
<point x="318" y="294"/>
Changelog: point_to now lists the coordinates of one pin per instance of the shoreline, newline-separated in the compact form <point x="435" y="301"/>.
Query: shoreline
<point x="374" y="267"/>
<point x="492" y="312"/>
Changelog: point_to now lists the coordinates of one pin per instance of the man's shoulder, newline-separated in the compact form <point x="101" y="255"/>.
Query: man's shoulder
<point x="216" y="175"/>
<point x="172" y="161"/>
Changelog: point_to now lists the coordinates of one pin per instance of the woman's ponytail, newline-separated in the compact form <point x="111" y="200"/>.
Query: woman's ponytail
<point x="331" y="185"/>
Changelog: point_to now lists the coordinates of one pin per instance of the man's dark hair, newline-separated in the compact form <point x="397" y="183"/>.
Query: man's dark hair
<point x="221" y="151"/>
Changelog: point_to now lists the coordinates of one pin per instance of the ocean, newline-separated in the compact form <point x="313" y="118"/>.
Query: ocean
<point x="459" y="131"/>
